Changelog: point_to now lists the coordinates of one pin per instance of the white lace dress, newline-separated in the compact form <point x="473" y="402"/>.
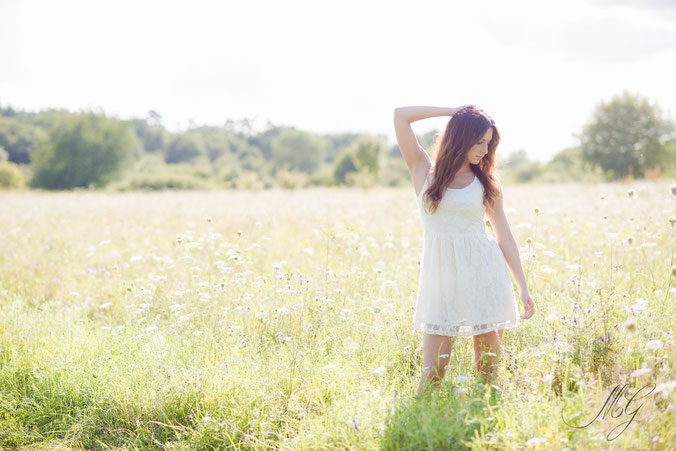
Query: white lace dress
<point x="464" y="286"/>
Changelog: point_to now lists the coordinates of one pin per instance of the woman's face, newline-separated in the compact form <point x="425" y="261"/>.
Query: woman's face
<point x="480" y="149"/>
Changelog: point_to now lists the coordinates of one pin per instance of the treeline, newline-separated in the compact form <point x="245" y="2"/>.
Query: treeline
<point x="58" y="149"/>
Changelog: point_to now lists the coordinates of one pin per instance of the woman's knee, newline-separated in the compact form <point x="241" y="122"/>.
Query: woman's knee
<point x="434" y="371"/>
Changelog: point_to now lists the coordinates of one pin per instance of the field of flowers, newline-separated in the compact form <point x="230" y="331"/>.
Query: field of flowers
<point x="283" y="319"/>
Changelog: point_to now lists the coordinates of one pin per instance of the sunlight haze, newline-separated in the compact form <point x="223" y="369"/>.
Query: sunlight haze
<point x="538" y="68"/>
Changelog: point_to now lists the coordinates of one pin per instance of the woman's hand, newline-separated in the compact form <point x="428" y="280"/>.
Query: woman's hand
<point x="528" y="305"/>
<point x="456" y="109"/>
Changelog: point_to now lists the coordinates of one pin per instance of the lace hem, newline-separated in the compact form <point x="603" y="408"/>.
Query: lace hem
<point x="462" y="330"/>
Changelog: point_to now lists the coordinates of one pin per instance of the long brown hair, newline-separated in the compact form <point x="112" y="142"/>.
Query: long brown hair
<point x="464" y="129"/>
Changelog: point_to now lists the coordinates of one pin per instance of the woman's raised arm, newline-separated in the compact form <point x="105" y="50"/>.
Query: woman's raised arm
<point x="411" y="149"/>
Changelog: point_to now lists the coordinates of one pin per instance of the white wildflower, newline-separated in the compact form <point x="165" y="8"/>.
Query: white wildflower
<point x="654" y="345"/>
<point x="640" y="372"/>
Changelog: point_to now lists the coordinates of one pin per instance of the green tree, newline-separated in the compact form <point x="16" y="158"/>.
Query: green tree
<point x="426" y="140"/>
<point x="11" y="176"/>
<point x="668" y="162"/>
<point x="84" y="149"/>
<point x="344" y="165"/>
<point x="625" y="137"/>
<point x="515" y="159"/>
<point x="519" y="168"/>
<point x="335" y="143"/>
<point x="366" y="154"/>
<point x="185" y="148"/>
<point x="297" y="150"/>
<point x="20" y="138"/>
<point x="151" y="132"/>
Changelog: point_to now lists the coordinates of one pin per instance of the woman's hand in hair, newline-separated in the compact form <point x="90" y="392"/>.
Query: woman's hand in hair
<point x="456" y="109"/>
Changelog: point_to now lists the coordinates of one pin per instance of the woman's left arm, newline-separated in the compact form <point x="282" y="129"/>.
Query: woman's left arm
<point x="504" y="237"/>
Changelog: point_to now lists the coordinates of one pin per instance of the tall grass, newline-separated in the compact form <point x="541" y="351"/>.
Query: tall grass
<point x="255" y="320"/>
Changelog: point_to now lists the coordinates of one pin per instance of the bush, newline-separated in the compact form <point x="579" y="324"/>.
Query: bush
<point x="11" y="176"/>
<point x="343" y="166"/>
<point x="289" y="179"/>
<point x="227" y="170"/>
<point x="85" y="149"/>
<point x="151" y="173"/>
<point x="394" y="172"/>
<point x="250" y="180"/>
<point x="160" y="181"/>
<point x="322" y="176"/>
<point x="363" y="179"/>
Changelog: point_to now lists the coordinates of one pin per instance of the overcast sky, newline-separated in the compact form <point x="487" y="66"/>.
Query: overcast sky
<point x="538" y="68"/>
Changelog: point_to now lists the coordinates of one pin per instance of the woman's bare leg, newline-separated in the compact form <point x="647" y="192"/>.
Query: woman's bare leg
<point x="436" y="355"/>
<point x="487" y="365"/>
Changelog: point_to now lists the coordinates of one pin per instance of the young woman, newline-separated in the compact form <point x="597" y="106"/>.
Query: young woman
<point x="464" y="286"/>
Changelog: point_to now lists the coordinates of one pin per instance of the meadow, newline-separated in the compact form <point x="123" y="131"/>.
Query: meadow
<point x="283" y="320"/>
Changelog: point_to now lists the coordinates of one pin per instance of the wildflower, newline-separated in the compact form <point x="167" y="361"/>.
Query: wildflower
<point x="640" y="372"/>
<point x="378" y="370"/>
<point x="665" y="387"/>
<point x="654" y="345"/>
